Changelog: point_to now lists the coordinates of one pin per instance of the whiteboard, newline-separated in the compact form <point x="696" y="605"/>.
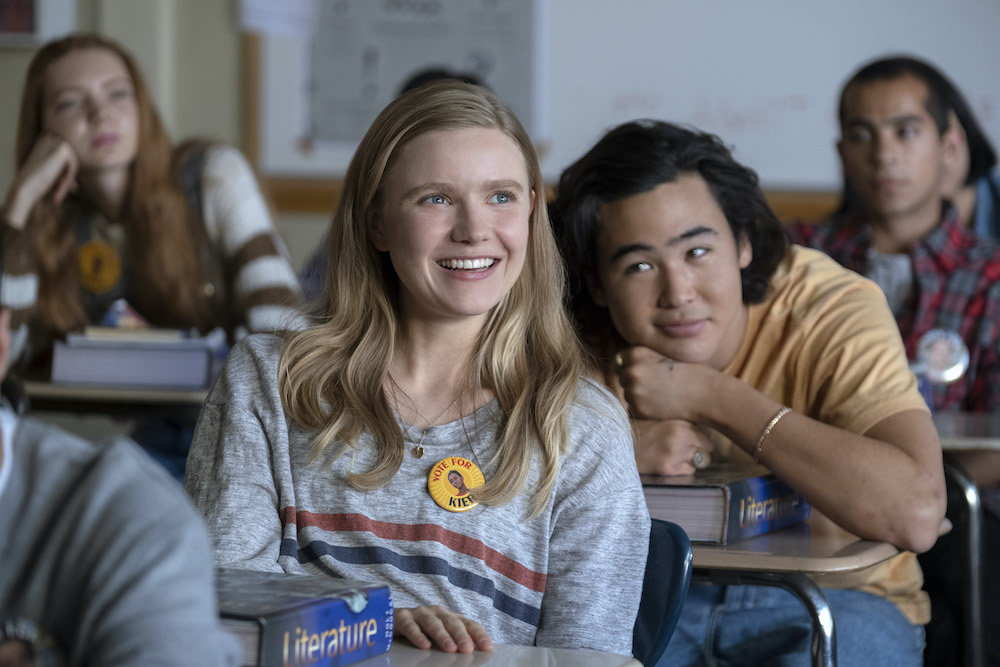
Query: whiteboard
<point x="763" y="74"/>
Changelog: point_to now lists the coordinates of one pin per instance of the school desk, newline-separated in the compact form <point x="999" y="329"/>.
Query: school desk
<point x="965" y="431"/>
<point x="785" y="558"/>
<point x="403" y="654"/>
<point x="968" y="430"/>
<point x="44" y="395"/>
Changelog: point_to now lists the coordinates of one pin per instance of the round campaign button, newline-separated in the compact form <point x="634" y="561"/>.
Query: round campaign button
<point x="450" y="481"/>
<point x="942" y="356"/>
<point x="100" y="266"/>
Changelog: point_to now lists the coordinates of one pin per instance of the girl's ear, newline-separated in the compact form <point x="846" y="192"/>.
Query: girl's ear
<point x="375" y="233"/>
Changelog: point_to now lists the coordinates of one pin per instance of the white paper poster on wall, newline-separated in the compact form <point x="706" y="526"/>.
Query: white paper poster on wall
<point x="319" y="95"/>
<point x="292" y="18"/>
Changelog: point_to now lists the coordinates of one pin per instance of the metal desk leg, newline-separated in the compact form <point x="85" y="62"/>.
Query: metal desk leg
<point x="972" y="617"/>
<point x="824" y="641"/>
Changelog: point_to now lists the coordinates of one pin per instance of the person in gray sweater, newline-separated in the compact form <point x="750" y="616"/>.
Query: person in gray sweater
<point x="103" y="559"/>
<point x="432" y="429"/>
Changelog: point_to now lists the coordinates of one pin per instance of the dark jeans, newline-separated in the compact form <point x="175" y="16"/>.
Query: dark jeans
<point x="765" y="626"/>
<point x="167" y="440"/>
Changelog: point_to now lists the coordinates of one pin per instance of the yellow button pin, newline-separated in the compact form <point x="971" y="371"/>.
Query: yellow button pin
<point x="450" y="481"/>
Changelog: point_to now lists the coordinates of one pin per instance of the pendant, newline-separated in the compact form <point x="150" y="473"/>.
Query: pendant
<point x="450" y="481"/>
<point x="417" y="451"/>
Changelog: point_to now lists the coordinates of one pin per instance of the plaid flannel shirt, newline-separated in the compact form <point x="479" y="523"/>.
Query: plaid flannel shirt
<point x="956" y="287"/>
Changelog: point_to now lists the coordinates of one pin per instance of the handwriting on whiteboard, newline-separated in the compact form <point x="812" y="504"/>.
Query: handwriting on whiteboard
<point x="722" y="114"/>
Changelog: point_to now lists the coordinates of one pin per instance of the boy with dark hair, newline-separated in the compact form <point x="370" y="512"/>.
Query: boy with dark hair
<point x="901" y="140"/>
<point x="717" y="333"/>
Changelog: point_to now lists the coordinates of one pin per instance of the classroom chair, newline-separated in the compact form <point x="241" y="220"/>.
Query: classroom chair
<point x="13" y="390"/>
<point x="664" y="589"/>
<point x="955" y="633"/>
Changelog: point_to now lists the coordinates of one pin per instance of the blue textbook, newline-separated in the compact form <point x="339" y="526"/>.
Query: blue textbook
<point x="725" y="502"/>
<point x="288" y="620"/>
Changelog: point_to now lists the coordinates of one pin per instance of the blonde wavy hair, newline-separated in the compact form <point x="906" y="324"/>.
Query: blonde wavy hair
<point x="331" y="375"/>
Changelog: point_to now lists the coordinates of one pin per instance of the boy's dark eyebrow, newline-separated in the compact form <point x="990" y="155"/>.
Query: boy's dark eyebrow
<point x="691" y="233"/>
<point x="630" y="248"/>
<point x="852" y="123"/>
<point x="857" y="122"/>
<point x="645" y="247"/>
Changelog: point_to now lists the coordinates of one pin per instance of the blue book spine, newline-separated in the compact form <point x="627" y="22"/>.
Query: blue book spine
<point x="762" y="504"/>
<point x="328" y="633"/>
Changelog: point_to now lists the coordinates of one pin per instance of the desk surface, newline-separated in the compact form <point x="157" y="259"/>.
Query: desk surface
<point x="968" y="430"/>
<point x="795" y="549"/>
<point x="403" y="654"/>
<point x="71" y="395"/>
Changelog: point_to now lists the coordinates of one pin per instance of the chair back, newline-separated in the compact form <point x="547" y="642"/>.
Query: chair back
<point x="12" y="389"/>
<point x="664" y="588"/>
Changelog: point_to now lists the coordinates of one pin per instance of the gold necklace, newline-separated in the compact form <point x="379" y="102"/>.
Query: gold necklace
<point x="417" y="451"/>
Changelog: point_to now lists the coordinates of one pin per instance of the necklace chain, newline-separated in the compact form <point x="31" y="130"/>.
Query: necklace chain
<point x="417" y="450"/>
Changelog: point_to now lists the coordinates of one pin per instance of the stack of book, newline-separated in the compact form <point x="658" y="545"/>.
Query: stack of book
<point x="146" y="357"/>
<point x="288" y="620"/>
<point x="725" y="502"/>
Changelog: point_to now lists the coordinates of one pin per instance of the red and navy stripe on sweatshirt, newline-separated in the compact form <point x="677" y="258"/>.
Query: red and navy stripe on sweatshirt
<point x="418" y="564"/>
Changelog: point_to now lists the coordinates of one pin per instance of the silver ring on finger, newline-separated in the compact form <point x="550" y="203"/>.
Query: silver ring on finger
<point x="699" y="460"/>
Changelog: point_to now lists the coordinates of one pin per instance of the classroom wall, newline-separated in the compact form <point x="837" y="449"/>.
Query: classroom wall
<point x="763" y="74"/>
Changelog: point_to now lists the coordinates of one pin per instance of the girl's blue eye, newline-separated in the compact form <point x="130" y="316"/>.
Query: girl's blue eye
<point x="502" y="198"/>
<point x="437" y="199"/>
<point x="66" y="104"/>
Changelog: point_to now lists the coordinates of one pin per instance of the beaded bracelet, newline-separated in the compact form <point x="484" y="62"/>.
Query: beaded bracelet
<point x="767" y="431"/>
